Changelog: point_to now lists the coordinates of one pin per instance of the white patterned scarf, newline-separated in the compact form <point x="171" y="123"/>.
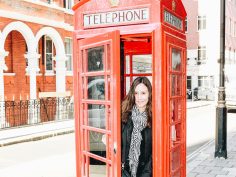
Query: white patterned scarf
<point x="139" y="122"/>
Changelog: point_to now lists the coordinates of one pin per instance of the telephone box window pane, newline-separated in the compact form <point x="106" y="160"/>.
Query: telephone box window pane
<point x="96" y="144"/>
<point x="96" y="88"/>
<point x="127" y="83"/>
<point x="96" y="168"/>
<point x="176" y="59"/>
<point x="149" y="78"/>
<point x="175" y="110"/>
<point x="176" y="85"/>
<point x="175" y="134"/>
<point x="96" y="116"/>
<point x="177" y="174"/>
<point x="142" y="63"/>
<point x="175" y="159"/>
<point x="173" y="79"/>
<point x="127" y="59"/>
<point x="95" y="59"/>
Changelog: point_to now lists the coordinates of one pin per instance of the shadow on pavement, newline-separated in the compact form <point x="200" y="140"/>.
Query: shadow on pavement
<point x="191" y="149"/>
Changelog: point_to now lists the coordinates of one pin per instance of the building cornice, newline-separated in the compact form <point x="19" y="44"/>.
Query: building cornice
<point x="38" y="20"/>
<point x="51" y="6"/>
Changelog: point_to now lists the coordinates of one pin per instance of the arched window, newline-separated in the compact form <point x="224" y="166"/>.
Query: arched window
<point x="49" y="53"/>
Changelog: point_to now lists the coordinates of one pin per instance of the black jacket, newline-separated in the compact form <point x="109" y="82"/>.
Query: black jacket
<point x="145" y="158"/>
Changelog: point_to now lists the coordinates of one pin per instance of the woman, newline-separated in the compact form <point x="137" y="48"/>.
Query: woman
<point x="136" y="129"/>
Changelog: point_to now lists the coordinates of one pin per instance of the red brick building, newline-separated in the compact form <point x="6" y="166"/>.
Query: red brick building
<point x="35" y="48"/>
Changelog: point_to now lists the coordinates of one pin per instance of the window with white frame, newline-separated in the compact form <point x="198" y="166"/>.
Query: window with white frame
<point x="68" y="51"/>
<point x="48" y="54"/>
<point x="68" y="4"/>
<point x="206" y="81"/>
<point x="201" y="54"/>
<point x="202" y="22"/>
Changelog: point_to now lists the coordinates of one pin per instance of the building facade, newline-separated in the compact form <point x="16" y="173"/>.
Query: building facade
<point x="35" y="48"/>
<point x="203" y="43"/>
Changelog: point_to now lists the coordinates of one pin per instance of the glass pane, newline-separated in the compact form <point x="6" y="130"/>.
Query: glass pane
<point x="127" y="59"/>
<point x="173" y="85"/>
<point x="175" y="158"/>
<point x="176" y="59"/>
<point x="95" y="59"/>
<point x="177" y="174"/>
<point x="175" y="110"/>
<point x="175" y="134"/>
<point x="176" y="85"/>
<point x="96" y="116"/>
<point x="127" y="84"/>
<point x="69" y="63"/>
<point x="96" y="144"/>
<point x="48" y="61"/>
<point x="96" y="168"/>
<point x="68" y="46"/>
<point x="142" y="63"/>
<point x="48" y="45"/>
<point x="179" y="85"/>
<point x="96" y="88"/>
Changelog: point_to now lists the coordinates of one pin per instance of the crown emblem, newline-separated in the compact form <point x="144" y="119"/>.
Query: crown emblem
<point x="173" y="5"/>
<point x="114" y="2"/>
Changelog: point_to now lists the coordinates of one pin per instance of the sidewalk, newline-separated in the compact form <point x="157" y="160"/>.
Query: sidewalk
<point x="194" y="104"/>
<point x="203" y="164"/>
<point x="36" y="132"/>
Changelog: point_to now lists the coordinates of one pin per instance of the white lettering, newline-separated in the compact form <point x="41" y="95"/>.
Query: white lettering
<point x="173" y="20"/>
<point x="131" y="16"/>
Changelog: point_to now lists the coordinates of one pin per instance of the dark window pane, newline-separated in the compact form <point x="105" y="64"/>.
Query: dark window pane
<point x="95" y="59"/>
<point x="48" y="61"/>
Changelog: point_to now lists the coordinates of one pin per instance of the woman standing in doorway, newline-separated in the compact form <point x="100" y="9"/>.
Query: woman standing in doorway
<point x="136" y="129"/>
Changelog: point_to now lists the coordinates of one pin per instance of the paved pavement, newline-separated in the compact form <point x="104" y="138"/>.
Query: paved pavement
<point x="201" y="163"/>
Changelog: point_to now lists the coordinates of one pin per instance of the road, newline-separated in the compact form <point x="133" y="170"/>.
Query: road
<point x="51" y="157"/>
<point x="55" y="157"/>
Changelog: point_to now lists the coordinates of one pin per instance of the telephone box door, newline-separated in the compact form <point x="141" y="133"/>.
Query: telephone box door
<point x="99" y="105"/>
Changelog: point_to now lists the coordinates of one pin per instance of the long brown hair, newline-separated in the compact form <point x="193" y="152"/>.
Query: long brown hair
<point x="129" y="100"/>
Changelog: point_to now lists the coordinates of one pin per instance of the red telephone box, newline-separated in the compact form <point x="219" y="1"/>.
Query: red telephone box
<point x="114" y="42"/>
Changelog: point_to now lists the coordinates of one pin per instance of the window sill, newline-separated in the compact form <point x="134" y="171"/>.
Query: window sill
<point x="9" y="74"/>
<point x="69" y="73"/>
<point x="49" y="74"/>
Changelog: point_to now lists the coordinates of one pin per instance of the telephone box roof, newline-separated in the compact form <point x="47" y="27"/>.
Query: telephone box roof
<point x="170" y="4"/>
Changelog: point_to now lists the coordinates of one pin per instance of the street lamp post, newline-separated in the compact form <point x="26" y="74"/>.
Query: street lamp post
<point x="221" y="110"/>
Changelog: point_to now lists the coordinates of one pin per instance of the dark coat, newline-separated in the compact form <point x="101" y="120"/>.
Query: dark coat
<point x="145" y="158"/>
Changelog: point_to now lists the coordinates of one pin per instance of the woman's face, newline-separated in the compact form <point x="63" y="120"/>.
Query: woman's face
<point x="141" y="96"/>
